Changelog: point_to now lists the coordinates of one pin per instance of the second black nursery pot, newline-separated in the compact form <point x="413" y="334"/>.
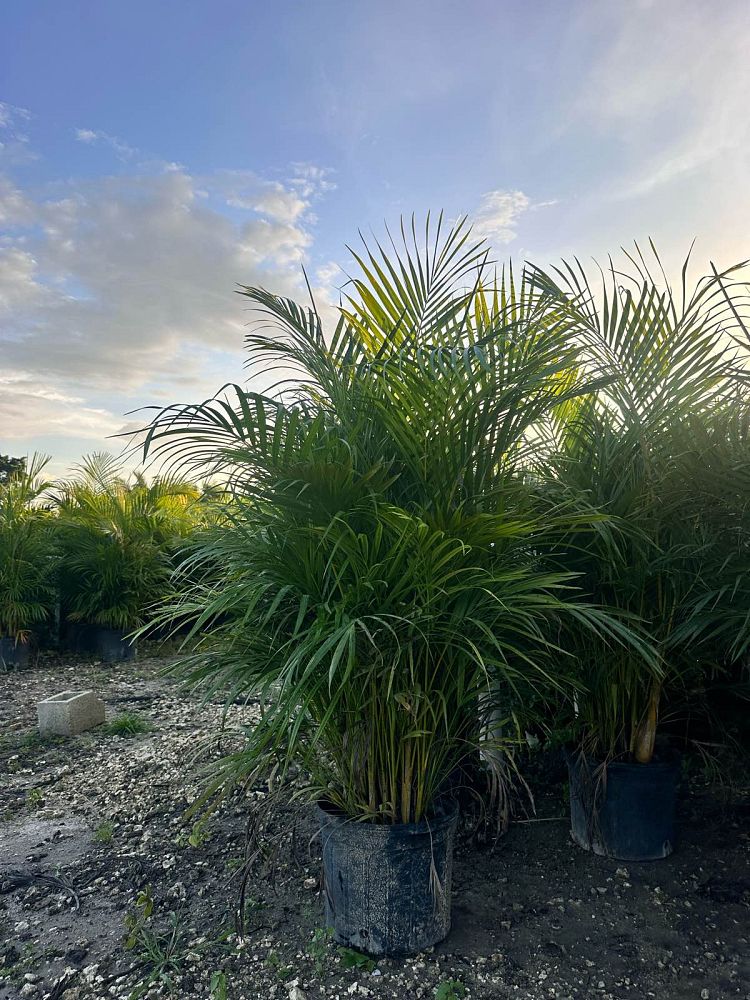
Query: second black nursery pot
<point x="112" y="645"/>
<point x="624" y="810"/>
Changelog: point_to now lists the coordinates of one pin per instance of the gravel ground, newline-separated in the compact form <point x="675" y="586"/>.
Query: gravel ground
<point x="86" y="824"/>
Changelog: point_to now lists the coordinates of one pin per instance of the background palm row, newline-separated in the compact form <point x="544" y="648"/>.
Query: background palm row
<point x="98" y="548"/>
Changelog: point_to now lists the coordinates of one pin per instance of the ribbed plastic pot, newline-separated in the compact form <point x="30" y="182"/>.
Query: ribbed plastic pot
<point x="13" y="655"/>
<point x="626" y="810"/>
<point x="388" y="887"/>
<point x="112" y="646"/>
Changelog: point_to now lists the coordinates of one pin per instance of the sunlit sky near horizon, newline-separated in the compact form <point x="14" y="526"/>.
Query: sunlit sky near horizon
<point x="155" y="154"/>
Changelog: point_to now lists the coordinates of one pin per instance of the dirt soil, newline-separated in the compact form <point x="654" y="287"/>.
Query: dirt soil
<point x="88" y="823"/>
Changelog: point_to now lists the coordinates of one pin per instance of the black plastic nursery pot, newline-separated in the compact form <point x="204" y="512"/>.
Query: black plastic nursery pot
<point x="624" y="810"/>
<point x="388" y="887"/>
<point x="14" y="655"/>
<point x="111" y="645"/>
<point x="80" y="637"/>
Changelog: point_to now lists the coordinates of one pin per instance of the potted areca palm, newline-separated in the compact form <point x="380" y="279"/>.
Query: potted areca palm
<point x="27" y="561"/>
<point x="622" y="450"/>
<point x="116" y="536"/>
<point x="381" y="582"/>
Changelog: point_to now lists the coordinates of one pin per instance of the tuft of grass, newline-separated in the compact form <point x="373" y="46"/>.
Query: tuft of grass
<point x="128" y="724"/>
<point x="275" y="963"/>
<point x="104" y="833"/>
<point x="318" y="948"/>
<point x="161" y="953"/>
<point x="31" y="739"/>
<point x="34" y="797"/>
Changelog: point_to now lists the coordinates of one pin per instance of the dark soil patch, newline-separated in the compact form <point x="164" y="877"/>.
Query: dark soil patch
<point x="89" y="823"/>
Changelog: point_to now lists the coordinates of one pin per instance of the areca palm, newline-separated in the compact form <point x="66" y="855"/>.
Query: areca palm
<point x="117" y="536"/>
<point x="27" y="551"/>
<point x="714" y="473"/>
<point x="623" y="449"/>
<point x="383" y="575"/>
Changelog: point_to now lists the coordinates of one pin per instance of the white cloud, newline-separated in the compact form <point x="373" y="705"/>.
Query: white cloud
<point x="130" y="270"/>
<point x="244" y="189"/>
<point x="11" y="116"/>
<point x="91" y="137"/>
<point x="330" y="273"/>
<point x="18" y="280"/>
<point x="29" y="408"/>
<point x="498" y="213"/>
<point x="311" y="180"/>
<point x="15" y="207"/>
<point x="287" y="203"/>
<point x="86" y="135"/>
<point x="14" y="142"/>
<point x="122" y="289"/>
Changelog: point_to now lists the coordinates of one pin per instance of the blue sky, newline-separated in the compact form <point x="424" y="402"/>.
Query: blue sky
<point x="152" y="155"/>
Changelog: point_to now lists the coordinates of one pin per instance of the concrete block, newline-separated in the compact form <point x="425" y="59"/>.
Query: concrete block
<point x="69" y="713"/>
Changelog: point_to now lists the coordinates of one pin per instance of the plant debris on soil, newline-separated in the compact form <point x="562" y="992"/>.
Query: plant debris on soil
<point x="107" y="890"/>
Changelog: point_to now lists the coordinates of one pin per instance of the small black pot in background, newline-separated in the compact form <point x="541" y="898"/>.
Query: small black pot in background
<point x="381" y="893"/>
<point x="79" y="637"/>
<point x="111" y="645"/>
<point x="624" y="810"/>
<point x="14" y="655"/>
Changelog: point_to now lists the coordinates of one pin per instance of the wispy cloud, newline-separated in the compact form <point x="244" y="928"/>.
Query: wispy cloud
<point x="91" y="137"/>
<point x="28" y="409"/>
<point x="497" y="216"/>
<point x="311" y="180"/>
<point x="15" y="207"/>
<point x="15" y="148"/>
<point x="288" y="202"/>
<point x="671" y="85"/>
